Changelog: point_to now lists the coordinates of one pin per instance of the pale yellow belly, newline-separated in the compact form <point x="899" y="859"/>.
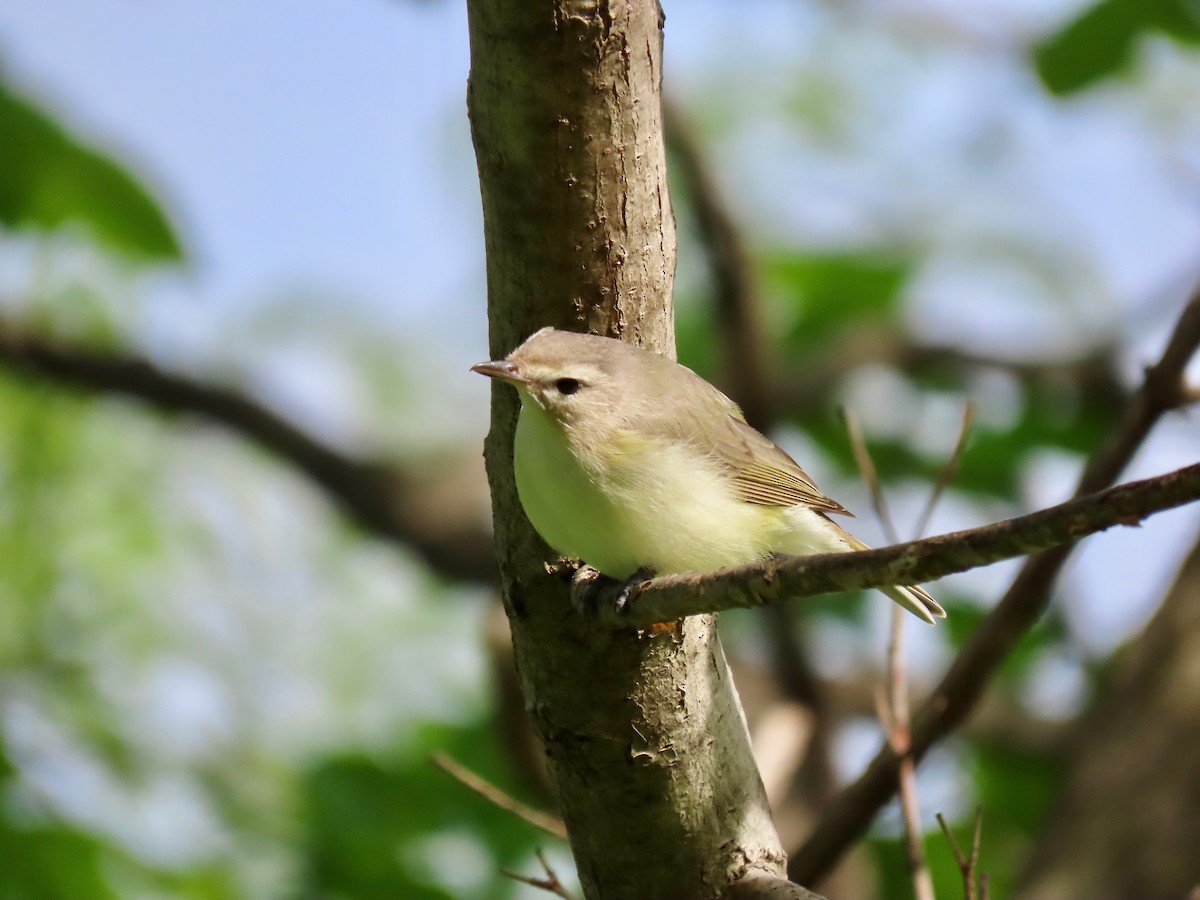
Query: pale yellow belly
<point x="638" y="504"/>
<point x="568" y="510"/>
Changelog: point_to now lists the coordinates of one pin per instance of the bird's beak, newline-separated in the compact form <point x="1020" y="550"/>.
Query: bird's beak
<point x="504" y="369"/>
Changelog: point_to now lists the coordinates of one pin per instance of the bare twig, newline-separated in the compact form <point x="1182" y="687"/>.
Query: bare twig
<point x="550" y="883"/>
<point x="900" y="735"/>
<point x="866" y="467"/>
<point x="851" y="813"/>
<point x="488" y="791"/>
<point x="671" y="597"/>
<point x="892" y="704"/>
<point x="972" y="883"/>
<point x="997" y="720"/>
<point x="383" y="498"/>
<point x="914" y="842"/>
<point x="977" y="839"/>
<point x="946" y="476"/>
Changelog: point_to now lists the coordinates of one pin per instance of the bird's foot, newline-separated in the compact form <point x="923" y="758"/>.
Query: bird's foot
<point x="597" y="596"/>
<point x="564" y="567"/>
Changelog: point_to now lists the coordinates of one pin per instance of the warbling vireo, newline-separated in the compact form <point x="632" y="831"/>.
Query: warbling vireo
<point x="632" y="462"/>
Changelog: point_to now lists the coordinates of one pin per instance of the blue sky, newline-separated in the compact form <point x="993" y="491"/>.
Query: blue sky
<point x="294" y="144"/>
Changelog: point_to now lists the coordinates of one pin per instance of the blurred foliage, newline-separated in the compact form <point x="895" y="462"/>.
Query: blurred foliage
<point x="823" y="300"/>
<point x="51" y="863"/>
<point x="89" y="552"/>
<point x="1047" y="633"/>
<point x="828" y="295"/>
<point x="995" y="457"/>
<point x="1015" y="791"/>
<point x="49" y="179"/>
<point x="1101" y="41"/>
<point x="86" y="532"/>
<point x="369" y="820"/>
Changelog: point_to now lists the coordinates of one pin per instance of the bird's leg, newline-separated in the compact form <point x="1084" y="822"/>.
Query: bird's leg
<point x="564" y="567"/>
<point x="590" y="591"/>
<point x="632" y="586"/>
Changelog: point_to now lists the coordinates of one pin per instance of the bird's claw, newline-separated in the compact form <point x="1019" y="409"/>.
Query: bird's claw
<point x="631" y="587"/>
<point x="594" y="595"/>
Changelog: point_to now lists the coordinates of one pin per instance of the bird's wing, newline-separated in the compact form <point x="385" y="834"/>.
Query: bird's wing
<point x="702" y="416"/>
<point x="764" y="473"/>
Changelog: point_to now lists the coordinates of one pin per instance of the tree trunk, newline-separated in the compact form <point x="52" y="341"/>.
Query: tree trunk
<point x="1128" y="821"/>
<point x="644" y="734"/>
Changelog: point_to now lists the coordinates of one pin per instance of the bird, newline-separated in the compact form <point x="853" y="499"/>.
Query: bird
<point x="636" y="465"/>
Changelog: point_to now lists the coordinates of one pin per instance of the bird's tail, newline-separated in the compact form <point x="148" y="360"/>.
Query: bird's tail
<point x="918" y="602"/>
<point x="912" y="597"/>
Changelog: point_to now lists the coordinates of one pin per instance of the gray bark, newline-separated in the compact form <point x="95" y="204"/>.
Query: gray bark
<point x="644" y="734"/>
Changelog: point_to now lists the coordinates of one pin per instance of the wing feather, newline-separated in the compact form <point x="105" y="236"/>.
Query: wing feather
<point x="764" y="473"/>
<point x="702" y="416"/>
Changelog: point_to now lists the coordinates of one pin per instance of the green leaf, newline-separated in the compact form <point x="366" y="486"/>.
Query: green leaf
<point x="1100" y="42"/>
<point x="49" y="179"/>
<point x="831" y="293"/>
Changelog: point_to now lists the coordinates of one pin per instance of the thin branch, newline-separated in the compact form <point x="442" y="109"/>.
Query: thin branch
<point x="671" y="597"/>
<point x="998" y="720"/>
<point x="892" y="704"/>
<point x="488" y="791"/>
<point x="810" y="387"/>
<point x="866" y="468"/>
<point x="946" y="476"/>
<point x="550" y="883"/>
<point x="900" y="736"/>
<point x="954" y="698"/>
<point x="977" y="840"/>
<point x="381" y="497"/>
<point x="967" y="864"/>
<point x="914" y="841"/>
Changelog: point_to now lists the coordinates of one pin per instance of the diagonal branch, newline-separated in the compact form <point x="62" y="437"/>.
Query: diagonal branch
<point x="488" y="791"/>
<point x="672" y="597"/>
<point x="380" y="496"/>
<point x="747" y="353"/>
<point x="852" y="812"/>
<point x="810" y="386"/>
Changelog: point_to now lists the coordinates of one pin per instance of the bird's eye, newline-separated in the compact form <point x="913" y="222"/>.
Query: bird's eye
<point x="567" y="386"/>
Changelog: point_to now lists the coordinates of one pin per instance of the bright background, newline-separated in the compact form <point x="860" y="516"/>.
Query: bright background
<point x="206" y="661"/>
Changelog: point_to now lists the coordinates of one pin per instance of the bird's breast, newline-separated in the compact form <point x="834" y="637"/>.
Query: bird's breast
<point x="623" y="500"/>
<point x="562" y="498"/>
